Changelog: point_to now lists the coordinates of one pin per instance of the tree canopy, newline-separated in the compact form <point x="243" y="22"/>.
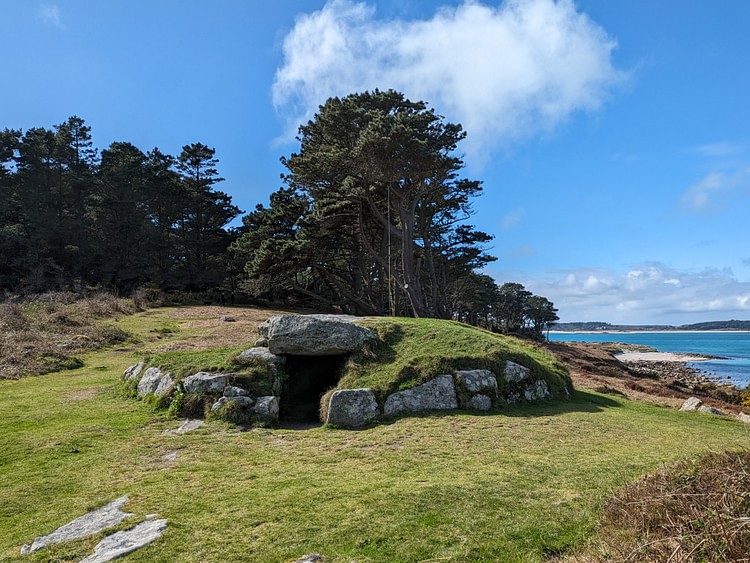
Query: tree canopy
<point x="72" y="217"/>
<point x="373" y="215"/>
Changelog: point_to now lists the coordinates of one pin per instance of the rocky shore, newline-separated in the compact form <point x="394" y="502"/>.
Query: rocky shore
<point x="641" y="372"/>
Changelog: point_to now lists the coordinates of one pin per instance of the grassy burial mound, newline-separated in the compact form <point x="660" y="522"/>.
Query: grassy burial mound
<point x="312" y="362"/>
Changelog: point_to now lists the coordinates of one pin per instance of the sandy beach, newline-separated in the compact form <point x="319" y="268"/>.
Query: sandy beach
<point x="634" y="356"/>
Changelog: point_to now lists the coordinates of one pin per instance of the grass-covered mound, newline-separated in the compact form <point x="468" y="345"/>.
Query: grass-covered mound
<point x="412" y="351"/>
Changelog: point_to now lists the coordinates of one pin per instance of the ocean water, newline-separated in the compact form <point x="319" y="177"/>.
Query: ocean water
<point x="735" y="346"/>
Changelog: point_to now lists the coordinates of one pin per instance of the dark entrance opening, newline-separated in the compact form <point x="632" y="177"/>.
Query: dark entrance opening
<point x="309" y="377"/>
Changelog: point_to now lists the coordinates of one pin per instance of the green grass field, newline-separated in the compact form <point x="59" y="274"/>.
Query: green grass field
<point x="520" y="484"/>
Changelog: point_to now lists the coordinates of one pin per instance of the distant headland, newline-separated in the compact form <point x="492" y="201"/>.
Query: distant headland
<point x="595" y="326"/>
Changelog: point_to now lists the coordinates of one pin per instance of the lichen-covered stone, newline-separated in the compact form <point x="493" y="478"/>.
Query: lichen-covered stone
<point x="743" y="417"/>
<point x="477" y="381"/>
<point x="262" y="354"/>
<point x="133" y="372"/>
<point x="537" y="391"/>
<point x="154" y="381"/>
<point x="266" y="408"/>
<point x="352" y="408"/>
<point x="204" y="382"/>
<point x="232" y="391"/>
<point x="515" y="373"/>
<point x="245" y="402"/>
<point x="479" y="403"/>
<point x="83" y="526"/>
<point x="316" y="335"/>
<point x="437" y="394"/>
<point x="126" y="541"/>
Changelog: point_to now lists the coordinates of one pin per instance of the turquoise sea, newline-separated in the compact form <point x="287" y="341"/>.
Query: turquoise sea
<point x="735" y="346"/>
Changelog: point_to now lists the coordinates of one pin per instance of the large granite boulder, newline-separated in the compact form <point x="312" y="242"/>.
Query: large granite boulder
<point x="315" y="335"/>
<point x="204" y="382"/>
<point x="154" y="381"/>
<point x="437" y="394"/>
<point x="479" y="403"/>
<point x="352" y="408"/>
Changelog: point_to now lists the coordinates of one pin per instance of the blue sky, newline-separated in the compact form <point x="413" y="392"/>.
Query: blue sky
<point x="613" y="138"/>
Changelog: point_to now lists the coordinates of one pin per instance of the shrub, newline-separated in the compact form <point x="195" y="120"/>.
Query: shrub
<point x="695" y="511"/>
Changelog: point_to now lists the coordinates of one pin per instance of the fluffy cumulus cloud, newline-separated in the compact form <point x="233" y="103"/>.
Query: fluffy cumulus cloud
<point x="650" y="293"/>
<point x="504" y="72"/>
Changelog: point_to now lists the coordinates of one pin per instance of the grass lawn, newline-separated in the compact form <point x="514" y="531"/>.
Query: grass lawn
<point x="514" y="485"/>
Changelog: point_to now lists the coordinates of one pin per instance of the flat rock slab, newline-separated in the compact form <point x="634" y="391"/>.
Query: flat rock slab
<point x="437" y="394"/>
<point x="711" y="410"/>
<point x="352" y="408"/>
<point x="316" y="335"/>
<point x="86" y="525"/>
<point x="190" y="424"/>
<point x="127" y="541"/>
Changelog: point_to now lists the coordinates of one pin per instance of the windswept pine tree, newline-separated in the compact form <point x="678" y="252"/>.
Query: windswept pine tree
<point x="373" y="218"/>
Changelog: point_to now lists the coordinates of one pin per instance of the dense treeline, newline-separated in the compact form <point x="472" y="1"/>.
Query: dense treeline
<point x="71" y="217"/>
<point x="372" y="220"/>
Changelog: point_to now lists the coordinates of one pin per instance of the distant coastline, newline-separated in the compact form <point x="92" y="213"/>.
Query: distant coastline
<point x="646" y="331"/>
<point x="599" y="327"/>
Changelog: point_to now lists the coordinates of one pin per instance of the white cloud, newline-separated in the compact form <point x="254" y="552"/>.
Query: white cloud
<point x="714" y="191"/>
<point x="505" y="73"/>
<point x="50" y="15"/>
<point x="650" y="293"/>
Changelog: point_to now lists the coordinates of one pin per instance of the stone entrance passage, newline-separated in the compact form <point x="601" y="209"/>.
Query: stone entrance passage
<point x="309" y="377"/>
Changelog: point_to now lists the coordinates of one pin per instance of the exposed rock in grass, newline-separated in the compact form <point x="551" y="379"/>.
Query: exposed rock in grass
<point x="744" y="417"/>
<point x="154" y="381"/>
<point x="711" y="410"/>
<point x="352" y="408"/>
<point x="190" y="424"/>
<point x="127" y="541"/>
<point x="133" y="372"/>
<point x="691" y="404"/>
<point x="437" y="394"/>
<point x="86" y="525"/>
